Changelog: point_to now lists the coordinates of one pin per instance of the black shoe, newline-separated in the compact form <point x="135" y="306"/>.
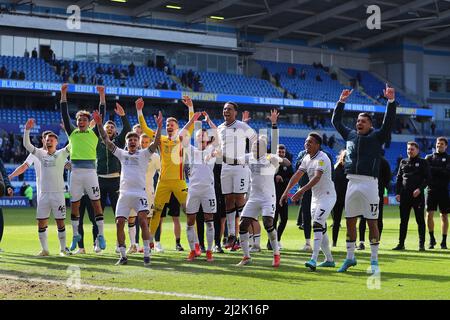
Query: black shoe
<point x="218" y="249"/>
<point x="202" y="248"/>
<point x="361" y="246"/>
<point x="443" y="245"/>
<point x="422" y="247"/>
<point x="122" y="261"/>
<point x="179" y="247"/>
<point x="432" y="243"/>
<point x="399" y="247"/>
<point x="224" y="241"/>
<point x="334" y="244"/>
<point x="301" y="227"/>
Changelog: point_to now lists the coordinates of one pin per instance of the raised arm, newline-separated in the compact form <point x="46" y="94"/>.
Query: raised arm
<point x="389" y="116"/>
<point x="185" y="133"/>
<point x="26" y="136"/>
<point x="99" y="121"/>
<point x="68" y="126"/>
<point x="338" y="112"/>
<point x="139" y="106"/>
<point x="274" y="132"/>
<point x="188" y="103"/>
<point x="101" y="105"/>
<point x="211" y="124"/>
<point x="154" y="145"/>
<point x="126" y="124"/>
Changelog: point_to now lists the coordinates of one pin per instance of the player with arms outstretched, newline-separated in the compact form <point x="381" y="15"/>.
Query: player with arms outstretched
<point x="133" y="194"/>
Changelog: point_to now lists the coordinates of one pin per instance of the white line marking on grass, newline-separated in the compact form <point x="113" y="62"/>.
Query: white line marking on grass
<point x="106" y="288"/>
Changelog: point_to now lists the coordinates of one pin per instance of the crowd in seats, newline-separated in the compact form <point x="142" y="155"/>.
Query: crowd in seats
<point x="312" y="82"/>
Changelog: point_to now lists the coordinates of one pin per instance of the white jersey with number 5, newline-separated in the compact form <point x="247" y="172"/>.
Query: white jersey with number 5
<point x="319" y="162"/>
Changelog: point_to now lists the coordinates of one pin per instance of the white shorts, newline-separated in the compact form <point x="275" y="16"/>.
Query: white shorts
<point x="84" y="181"/>
<point x="131" y="201"/>
<point x="362" y="197"/>
<point x="51" y="202"/>
<point x="254" y="207"/>
<point x="151" y="205"/>
<point x="204" y="197"/>
<point x="321" y="209"/>
<point x="234" y="179"/>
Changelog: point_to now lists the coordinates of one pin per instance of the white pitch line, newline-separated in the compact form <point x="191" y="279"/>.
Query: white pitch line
<point x="106" y="288"/>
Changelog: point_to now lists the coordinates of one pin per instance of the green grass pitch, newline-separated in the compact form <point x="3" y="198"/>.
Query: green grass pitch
<point x="405" y="275"/>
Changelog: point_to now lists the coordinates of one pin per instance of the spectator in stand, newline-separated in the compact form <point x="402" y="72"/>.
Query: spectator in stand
<point x="433" y="128"/>
<point x="131" y="69"/>
<point x="277" y="79"/>
<point x="100" y="81"/>
<point x="21" y="75"/>
<point x="13" y="75"/>
<point x="94" y="79"/>
<point x="165" y="86"/>
<point x="99" y="70"/>
<point x="3" y="72"/>
<point x="265" y="74"/>
<point x="34" y="54"/>
<point x="184" y="81"/>
<point x="303" y="74"/>
<point x="75" y="78"/>
<point x="75" y="67"/>
<point x="150" y="63"/>
<point x="173" y="86"/>
<point x="123" y="84"/>
<point x="83" y="78"/>
<point x="158" y="85"/>
<point x="116" y="73"/>
<point x="325" y="139"/>
<point x="146" y="86"/>
<point x="26" y="54"/>
<point x="318" y="78"/>
<point x="333" y="76"/>
<point x="285" y="93"/>
<point x="109" y="71"/>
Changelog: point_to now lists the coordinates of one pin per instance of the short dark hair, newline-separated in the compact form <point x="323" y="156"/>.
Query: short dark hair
<point x="442" y="139"/>
<point x="316" y="136"/>
<point x="110" y="122"/>
<point x="131" y="134"/>
<point x="234" y="104"/>
<point x="413" y="143"/>
<point x="282" y="147"/>
<point x="365" y="115"/>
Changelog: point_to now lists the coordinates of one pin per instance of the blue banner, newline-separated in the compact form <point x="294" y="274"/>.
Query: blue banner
<point x="18" y="128"/>
<point x="14" y="202"/>
<point x="203" y="96"/>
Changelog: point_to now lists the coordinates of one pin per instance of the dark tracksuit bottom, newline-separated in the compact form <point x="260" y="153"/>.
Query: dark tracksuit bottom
<point x="86" y="205"/>
<point x="337" y="216"/>
<point x="304" y="214"/>
<point x="109" y="187"/>
<point x="407" y="202"/>
<point x="282" y="213"/>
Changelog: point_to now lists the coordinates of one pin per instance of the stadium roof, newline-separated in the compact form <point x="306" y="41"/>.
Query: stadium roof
<point x="340" y="22"/>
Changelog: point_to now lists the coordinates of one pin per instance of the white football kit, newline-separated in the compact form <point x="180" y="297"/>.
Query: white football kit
<point x="31" y="160"/>
<point x="232" y="142"/>
<point x="323" y="193"/>
<point x="51" y="183"/>
<point x="201" y="180"/>
<point x="262" y="197"/>
<point x="133" y="188"/>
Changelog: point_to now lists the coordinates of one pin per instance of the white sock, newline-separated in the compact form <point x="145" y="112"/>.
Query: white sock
<point x="231" y="223"/>
<point x="210" y="234"/>
<point x="374" y="251"/>
<point x="132" y="234"/>
<point x="326" y="247"/>
<point x="123" y="251"/>
<point x="43" y="239"/>
<point x="100" y="224"/>
<point x="245" y="244"/>
<point x="351" y="250"/>
<point x="75" y="224"/>
<point x="62" y="238"/>
<point x="191" y="236"/>
<point x="257" y="240"/>
<point x="318" y="235"/>
<point x="146" y="248"/>
<point x="273" y="238"/>
<point x="251" y="242"/>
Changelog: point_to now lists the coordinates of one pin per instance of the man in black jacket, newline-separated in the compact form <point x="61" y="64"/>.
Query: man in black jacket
<point x="384" y="179"/>
<point x="412" y="178"/>
<point x="108" y="166"/>
<point x="282" y="177"/>
<point x="362" y="163"/>
<point x="5" y="189"/>
<point x="439" y="163"/>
